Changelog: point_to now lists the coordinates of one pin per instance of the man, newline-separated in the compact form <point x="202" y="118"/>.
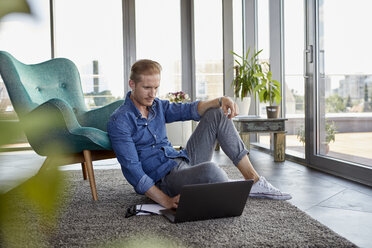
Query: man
<point x="149" y="162"/>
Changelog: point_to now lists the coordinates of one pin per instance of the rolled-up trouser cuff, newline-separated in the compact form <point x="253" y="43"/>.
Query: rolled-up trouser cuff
<point x="240" y="156"/>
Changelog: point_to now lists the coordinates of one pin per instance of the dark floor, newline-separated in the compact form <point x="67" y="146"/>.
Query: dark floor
<point x="343" y="206"/>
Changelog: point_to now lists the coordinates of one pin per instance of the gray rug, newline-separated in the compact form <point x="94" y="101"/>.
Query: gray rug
<point x="264" y="223"/>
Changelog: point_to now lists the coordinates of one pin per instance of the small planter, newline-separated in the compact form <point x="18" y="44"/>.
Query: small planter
<point x="272" y="111"/>
<point x="243" y="105"/>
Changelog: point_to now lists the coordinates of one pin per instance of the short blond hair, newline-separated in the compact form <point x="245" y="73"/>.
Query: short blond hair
<point x="144" y="67"/>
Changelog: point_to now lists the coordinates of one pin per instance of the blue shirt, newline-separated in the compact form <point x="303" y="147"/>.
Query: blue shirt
<point x="141" y="145"/>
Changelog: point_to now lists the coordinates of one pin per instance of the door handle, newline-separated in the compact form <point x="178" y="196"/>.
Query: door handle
<point x="321" y="64"/>
<point x="308" y="51"/>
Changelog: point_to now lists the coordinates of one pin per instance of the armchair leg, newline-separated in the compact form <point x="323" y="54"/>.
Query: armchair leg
<point x="89" y="165"/>
<point x="84" y="169"/>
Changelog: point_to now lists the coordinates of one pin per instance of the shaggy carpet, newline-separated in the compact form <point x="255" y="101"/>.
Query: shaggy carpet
<point x="264" y="223"/>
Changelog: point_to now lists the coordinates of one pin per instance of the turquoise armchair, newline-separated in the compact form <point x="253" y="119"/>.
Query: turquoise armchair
<point x="49" y="102"/>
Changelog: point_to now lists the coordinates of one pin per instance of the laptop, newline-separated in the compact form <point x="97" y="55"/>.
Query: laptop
<point x="210" y="201"/>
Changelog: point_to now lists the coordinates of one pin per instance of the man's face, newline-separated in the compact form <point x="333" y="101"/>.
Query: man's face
<point x="145" y="91"/>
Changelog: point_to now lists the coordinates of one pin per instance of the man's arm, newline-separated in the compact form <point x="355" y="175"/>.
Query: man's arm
<point x="226" y="104"/>
<point x="155" y="194"/>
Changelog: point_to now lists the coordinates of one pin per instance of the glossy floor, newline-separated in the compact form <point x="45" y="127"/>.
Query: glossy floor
<point x="343" y="206"/>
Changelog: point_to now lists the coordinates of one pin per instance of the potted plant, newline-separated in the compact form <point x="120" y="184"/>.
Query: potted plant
<point x="268" y="91"/>
<point x="330" y="129"/>
<point x="244" y="81"/>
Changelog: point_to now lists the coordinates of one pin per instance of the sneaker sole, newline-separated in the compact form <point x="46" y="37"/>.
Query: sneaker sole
<point x="271" y="196"/>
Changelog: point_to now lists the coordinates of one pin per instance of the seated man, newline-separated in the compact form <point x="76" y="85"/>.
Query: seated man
<point x="148" y="161"/>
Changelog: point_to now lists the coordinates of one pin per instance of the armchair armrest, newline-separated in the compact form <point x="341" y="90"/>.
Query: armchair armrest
<point x="52" y="128"/>
<point x="99" y="117"/>
<point x="54" y="113"/>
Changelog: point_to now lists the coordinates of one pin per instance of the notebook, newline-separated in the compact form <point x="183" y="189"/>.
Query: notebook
<point x="209" y="201"/>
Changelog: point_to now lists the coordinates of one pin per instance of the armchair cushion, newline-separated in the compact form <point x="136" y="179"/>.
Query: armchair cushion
<point x="98" y="117"/>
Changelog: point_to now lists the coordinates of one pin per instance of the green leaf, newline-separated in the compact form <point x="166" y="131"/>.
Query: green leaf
<point x="9" y="132"/>
<point x="258" y="74"/>
<point x="10" y="6"/>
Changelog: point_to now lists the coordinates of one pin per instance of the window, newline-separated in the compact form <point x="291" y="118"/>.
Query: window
<point x="238" y="26"/>
<point x="94" y="44"/>
<point x="27" y="38"/>
<point x="345" y="81"/>
<point x="208" y="49"/>
<point x="158" y="37"/>
<point x="294" y="102"/>
<point x="263" y="43"/>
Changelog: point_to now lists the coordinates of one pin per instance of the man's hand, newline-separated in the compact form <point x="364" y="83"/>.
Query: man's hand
<point x="173" y="202"/>
<point x="229" y="107"/>
<point x="155" y="194"/>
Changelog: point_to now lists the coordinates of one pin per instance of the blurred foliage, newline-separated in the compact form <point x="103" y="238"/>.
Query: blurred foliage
<point x="28" y="212"/>
<point x="9" y="6"/>
<point x="8" y="133"/>
<point x="335" y="104"/>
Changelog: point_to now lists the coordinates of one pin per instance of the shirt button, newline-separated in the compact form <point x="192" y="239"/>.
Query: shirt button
<point x="153" y="146"/>
<point x="154" y="135"/>
<point x="145" y="124"/>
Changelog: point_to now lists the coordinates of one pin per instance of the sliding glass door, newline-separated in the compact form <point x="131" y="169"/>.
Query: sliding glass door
<point x="345" y="81"/>
<point x="338" y="85"/>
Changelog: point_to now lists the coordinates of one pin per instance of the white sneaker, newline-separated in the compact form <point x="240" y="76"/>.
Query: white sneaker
<point x="264" y="189"/>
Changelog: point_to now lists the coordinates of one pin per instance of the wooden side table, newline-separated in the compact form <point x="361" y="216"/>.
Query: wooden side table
<point x="246" y="125"/>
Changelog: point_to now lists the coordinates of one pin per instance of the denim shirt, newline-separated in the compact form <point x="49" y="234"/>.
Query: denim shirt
<point x="141" y="145"/>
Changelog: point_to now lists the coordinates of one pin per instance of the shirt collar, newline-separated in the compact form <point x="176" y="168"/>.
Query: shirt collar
<point x="133" y="107"/>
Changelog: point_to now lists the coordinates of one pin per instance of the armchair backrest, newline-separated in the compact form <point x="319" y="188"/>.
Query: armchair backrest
<point x="31" y="85"/>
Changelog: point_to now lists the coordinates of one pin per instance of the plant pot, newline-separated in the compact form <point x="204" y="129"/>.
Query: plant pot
<point x="326" y="148"/>
<point x="272" y="111"/>
<point x="243" y="105"/>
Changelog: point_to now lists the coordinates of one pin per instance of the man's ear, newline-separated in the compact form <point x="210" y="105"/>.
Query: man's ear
<point x="132" y="84"/>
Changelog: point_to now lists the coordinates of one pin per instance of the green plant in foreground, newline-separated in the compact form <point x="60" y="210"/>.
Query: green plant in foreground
<point x="28" y="212"/>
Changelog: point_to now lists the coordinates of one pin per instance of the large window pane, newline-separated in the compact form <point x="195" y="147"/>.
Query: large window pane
<point x="294" y="102"/>
<point x="263" y="43"/>
<point x="89" y="32"/>
<point x="208" y="49"/>
<point x="27" y="38"/>
<point x="158" y="37"/>
<point x="238" y="26"/>
<point x="345" y="80"/>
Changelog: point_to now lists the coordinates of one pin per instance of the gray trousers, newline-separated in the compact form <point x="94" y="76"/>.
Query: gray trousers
<point x="214" y="126"/>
